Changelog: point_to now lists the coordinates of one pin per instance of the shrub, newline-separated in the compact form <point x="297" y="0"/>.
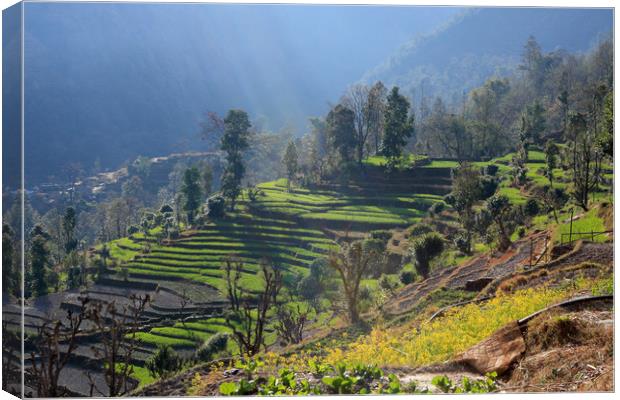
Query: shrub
<point x="164" y="362"/>
<point x="383" y="235"/>
<point x="166" y="209"/>
<point x="365" y="293"/>
<point x="438" y="207"/>
<point x="449" y="199"/>
<point x="419" y="229"/>
<point x="254" y="192"/>
<point x="320" y="280"/>
<point x="216" y="206"/>
<point x="387" y="283"/>
<point x="488" y="186"/>
<point x="212" y="346"/>
<point x="491" y="170"/>
<point x="531" y="208"/>
<point x="132" y="230"/>
<point x="521" y="231"/>
<point x="309" y="287"/>
<point x="424" y="249"/>
<point x="463" y="243"/>
<point x="407" y="277"/>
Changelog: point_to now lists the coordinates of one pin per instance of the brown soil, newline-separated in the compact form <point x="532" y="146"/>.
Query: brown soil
<point x="566" y="352"/>
<point x="493" y="266"/>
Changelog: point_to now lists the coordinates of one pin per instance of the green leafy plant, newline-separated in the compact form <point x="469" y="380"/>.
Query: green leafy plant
<point x="486" y="385"/>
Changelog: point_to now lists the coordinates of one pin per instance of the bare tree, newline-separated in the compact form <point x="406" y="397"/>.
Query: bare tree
<point x="248" y="321"/>
<point x="352" y="261"/>
<point x="376" y="110"/>
<point x="212" y="129"/>
<point x="117" y="328"/>
<point x="232" y="269"/>
<point x="291" y="321"/>
<point x="54" y="344"/>
<point x="356" y="100"/>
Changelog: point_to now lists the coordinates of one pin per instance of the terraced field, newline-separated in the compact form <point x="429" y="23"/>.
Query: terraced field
<point x="289" y="228"/>
<point x="198" y="255"/>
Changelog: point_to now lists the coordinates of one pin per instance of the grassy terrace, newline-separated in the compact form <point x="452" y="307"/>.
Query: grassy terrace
<point x="304" y="205"/>
<point x="289" y="227"/>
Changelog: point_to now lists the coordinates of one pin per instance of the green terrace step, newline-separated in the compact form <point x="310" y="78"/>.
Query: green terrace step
<point x="218" y="260"/>
<point x="243" y="221"/>
<point x="211" y="268"/>
<point x="215" y="255"/>
<point x="419" y="203"/>
<point x="258" y="234"/>
<point x="197" y="266"/>
<point x="259" y="247"/>
<point x="153" y="341"/>
<point x="290" y="242"/>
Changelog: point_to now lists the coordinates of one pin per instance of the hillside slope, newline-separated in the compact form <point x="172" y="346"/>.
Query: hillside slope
<point x="485" y="42"/>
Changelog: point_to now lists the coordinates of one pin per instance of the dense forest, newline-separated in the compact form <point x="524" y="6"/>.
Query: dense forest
<point x="396" y="234"/>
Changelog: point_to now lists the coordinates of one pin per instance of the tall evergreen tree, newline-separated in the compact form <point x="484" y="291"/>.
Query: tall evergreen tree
<point x="39" y="261"/>
<point x="551" y="152"/>
<point x="341" y="132"/>
<point x="290" y="161"/>
<point x="234" y="143"/>
<point x="534" y="122"/>
<point x="398" y="126"/>
<point x="69" y="222"/>
<point x="192" y="193"/>
<point x="10" y="269"/>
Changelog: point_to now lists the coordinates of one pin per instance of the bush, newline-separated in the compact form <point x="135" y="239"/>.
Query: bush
<point x="382" y="235"/>
<point x="449" y="199"/>
<point x="386" y="282"/>
<point x="164" y="362"/>
<point x="309" y="287"/>
<point x="407" y="277"/>
<point x="491" y="170"/>
<point x="463" y="243"/>
<point x="419" y="229"/>
<point x="317" y="282"/>
<point x="521" y="231"/>
<point x="531" y="208"/>
<point x="216" y="206"/>
<point x="166" y="209"/>
<point x="488" y="186"/>
<point x="212" y="346"/>
<point x="132" y="230"/>
<point x="365" y="293"/>
<point x="437" y="208"/>
<point x="424" y="249"/>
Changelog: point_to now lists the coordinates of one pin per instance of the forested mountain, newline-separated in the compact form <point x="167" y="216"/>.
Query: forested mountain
<point x="112" y="81"/>
<point x="116" y="81"/>
<point x="485" y="42"/>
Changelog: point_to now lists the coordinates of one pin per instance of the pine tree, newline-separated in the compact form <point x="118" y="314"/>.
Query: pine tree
<point x="398" y="127"/>
<point x="39" y="261"/>
<point x="192" y="193"/>
<point x="69" y="222"/>
<point x="234" y="142"/>
<point x="290" y="161"/>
